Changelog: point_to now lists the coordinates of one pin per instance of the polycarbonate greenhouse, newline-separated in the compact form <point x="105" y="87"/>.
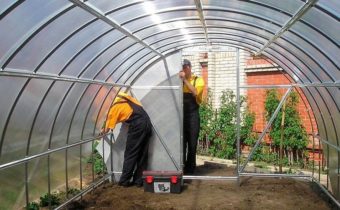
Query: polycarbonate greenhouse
<point x="62" y="63"/>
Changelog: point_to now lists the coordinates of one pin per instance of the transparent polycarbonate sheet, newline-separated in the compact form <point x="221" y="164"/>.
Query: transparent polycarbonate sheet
<point x="86" y="167"/>
<point x="312" y="72"/>
<point x="243" y="26"/>
<point x="102" y="115"/>
<point x="12" y="187"/>
<point x="5" y="4"/>
<point x="33" y="52"/>
<point x="167" y="122"/>
<point x="106" y="6"/>
<point x="173" y="32"/>
<point x="331" y="6"/>
<point x="328" y="49"/>
<point x="18" y="27"/>
<point x="178" y="38"/>
<point x="73" y="166"/>
<point x="93" y="112"/>
<point x="126" y="70"/>
<point x="314" y="16"/>
<point x="94" y="66"/>
<point x="17" y="134"/>
<point x="117" y="62"/>
<point x="143" y="7"/>
<point x="168" y="27"/>
<point x="333" y="170"/>
<point x="77" y="124"/>
<point x="7" y="100"/>
<point x="161" y="74"/>
<point x="42" y="127"/>
<point x="37" y="172"/>
<point x="57" y="170"/>
<point x="63" y="121"/>
<point x="68" y="52"/>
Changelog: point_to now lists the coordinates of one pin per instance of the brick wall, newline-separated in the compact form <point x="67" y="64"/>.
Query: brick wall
<point x="256" y="99"/>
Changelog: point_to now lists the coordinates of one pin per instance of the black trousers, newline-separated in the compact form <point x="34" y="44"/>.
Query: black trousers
<point x="136" y="151"/>
<point x="191" y="127"/>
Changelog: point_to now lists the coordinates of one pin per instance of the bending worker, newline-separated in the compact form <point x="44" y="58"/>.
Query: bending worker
<point x="192" y="98"/>
<point x="128" y="109"/>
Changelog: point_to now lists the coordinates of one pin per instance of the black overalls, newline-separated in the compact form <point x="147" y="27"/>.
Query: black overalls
<point x="136" y="151"/>
<point x="191" y="126"/>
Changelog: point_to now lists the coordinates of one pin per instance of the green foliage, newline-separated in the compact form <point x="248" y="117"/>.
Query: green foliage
<point x="53" y="198"/>
<point x="295" y="136"/>
<point x="218" y="128"/>
<point x="96" y="160"/>
<point x="32" y="206"/>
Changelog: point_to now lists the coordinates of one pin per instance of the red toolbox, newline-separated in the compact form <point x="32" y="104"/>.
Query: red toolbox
<point x="162" y="181"/>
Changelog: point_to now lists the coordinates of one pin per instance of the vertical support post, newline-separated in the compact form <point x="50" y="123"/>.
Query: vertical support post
<point x="81" y="170"/>
<point x="238" y="117"/>
<point x="26" y="183"/>
<point x="49" y="178"/>
<point x="111" y="156"/>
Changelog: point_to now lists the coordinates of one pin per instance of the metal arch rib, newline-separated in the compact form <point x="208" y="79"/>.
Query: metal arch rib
<point x="202" y="19"/>
<point x="97" y="13"/>
<point x="300" y="12"/>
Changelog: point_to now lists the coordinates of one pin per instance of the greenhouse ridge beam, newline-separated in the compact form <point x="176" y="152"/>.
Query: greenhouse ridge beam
<point x="202" y="19"/>
<point x="289" y="24"/>
<point x="26" y="74"/>
<point x="97" y="13"/>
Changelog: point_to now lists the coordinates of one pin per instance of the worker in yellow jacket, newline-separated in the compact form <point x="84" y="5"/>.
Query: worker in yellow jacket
<point x="192" y="97"/>
<point x="128" y="109"/>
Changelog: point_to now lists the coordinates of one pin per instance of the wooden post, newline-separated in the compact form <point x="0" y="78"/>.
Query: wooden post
<point x="281" y="140"/>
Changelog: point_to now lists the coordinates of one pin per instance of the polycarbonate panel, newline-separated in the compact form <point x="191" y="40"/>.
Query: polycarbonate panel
<point x="317" y="40"/>
<point x="103" y="109"/>
<point x="108" y="54"/>
<point x="331" y="6"/>
<point x="5" y="4"/>
<point x="61" y="57"/>
<point x="173" y="32"/>
<point x="314" y="73"/>
<point x="49" y="37"/>
<point x="177" y="38"/>
<point x="14" y="84"/>
<point x="287" y="6"/>
<point x="150" y="30"/>
<point x="314" y="16"/>
<point x="334" y="171"/>
<point x="112" y="65"/>
<point x="42" y="127"/>
<point x="57" y="170"/>
<point x="62" y="124"/>
<point x="19" y="28"/>
<point x="141" y="8"/>
<point x="93" y="112"/>
<point x="126" y="70"/>
<point x="38" y="179"/>
<point x="105" y="6"/>
<point x="78" y="121"/>
<point x="12" y="187"/>
<point x="19" y="126"/>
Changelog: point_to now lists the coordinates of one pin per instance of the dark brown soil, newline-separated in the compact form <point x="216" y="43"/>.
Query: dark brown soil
<point x="254" y="193"/>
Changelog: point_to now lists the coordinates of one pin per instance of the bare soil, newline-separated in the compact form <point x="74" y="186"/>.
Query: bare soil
<point x="253" y="193"/>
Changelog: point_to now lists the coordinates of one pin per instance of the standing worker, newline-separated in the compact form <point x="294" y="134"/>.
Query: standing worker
<point x="192" y="97"/>
<point x="128" y="109"/>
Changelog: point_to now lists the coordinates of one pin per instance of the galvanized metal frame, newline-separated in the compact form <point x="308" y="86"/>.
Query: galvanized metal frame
<point x="199" y="8"/>
<point x="335" y="84"/>
<point x="299" y="13"/>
